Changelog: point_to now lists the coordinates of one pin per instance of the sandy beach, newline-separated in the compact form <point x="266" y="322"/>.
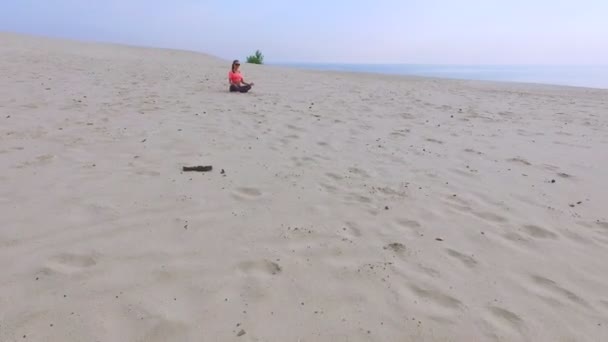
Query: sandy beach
<point x="340" y="207"/>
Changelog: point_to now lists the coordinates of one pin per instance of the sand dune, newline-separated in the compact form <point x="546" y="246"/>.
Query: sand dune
<point x="351" y="208"/>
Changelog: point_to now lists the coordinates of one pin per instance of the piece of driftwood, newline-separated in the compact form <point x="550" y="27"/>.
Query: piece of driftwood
<point x="198" y="168"/>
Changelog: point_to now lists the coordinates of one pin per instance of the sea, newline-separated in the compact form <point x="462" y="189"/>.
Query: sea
<point x="567" y="75"/>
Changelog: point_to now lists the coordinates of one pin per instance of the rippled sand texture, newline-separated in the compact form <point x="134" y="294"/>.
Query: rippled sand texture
<point x="351" y="207"/>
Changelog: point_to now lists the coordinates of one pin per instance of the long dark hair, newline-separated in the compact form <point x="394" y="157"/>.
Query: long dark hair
<point x="234" y="64"/>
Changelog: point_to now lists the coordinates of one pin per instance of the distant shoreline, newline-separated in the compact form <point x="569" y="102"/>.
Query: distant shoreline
<point x="588" y="76"/>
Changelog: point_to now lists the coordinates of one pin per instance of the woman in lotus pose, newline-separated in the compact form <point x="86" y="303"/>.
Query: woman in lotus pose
<point x="237" y="83"/>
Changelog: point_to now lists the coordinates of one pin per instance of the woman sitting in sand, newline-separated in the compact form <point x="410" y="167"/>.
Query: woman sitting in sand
<point x="237" y="83"/>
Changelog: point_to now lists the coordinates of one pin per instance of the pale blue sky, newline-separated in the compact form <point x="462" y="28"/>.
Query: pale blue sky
<point x="355" y="31"/>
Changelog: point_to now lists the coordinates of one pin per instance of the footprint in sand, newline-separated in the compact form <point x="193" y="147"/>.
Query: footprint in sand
<point x="564" y="175"/>
<point x="358" y="172"/>
<point x="505" y="320"/>
<point x="552" y="287"/>
<point x="361" y="198"/>
<point x="247" y="193"/>
<point x="263" y="267"/>
<point x="490" y="217"/>
<point x="296" y="128"/>
<point x="602" y="224"/>
<point x="519" y="160"/>
<point x="436" y="297"/>
<point x="408" y="223"/>
<point x="39" y="161"/>
<point x="409" y="226"/>
<point x="434" y="141"/>
<point x="70" y="263"/>
<point x="463" y="173"/>
<point x="539" y="233"/>
<point x="353" y="229"/>
<point x="550" y="167"/>
<point x="292" y="136"/>
<point x="391" y="192"/>
<point x="512" y="319"/>
<point x="470" y="150"/>
<point x="515" y="237"/>
<point x="429" y="271"/>
<point x="148" y="173"/>
<point x="296" y="162"/>
<point x="467" y="260"/>
<point x="329" y="188"/>
<point x="334" y="176"/>
<point x="400" y="133"/>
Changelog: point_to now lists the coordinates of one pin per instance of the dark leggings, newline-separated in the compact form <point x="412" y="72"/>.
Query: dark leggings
<point x="242" y="89"/>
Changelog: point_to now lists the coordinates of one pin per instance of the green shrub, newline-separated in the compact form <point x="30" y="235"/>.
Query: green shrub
<point x="256" y="58"/>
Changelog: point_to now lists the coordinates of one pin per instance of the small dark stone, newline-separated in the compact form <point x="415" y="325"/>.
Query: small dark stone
<point x="571" y="205"/>
<point x="386" y="208"/>
<point x="439" y="239"/>
<point x="144" y="140"/>
<point x="553" y="181"/>
<point x="222" y="172"/>
<point x="241" y="333"/>
<point x="579" y="202"/>
<point x="37" y="278"/>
